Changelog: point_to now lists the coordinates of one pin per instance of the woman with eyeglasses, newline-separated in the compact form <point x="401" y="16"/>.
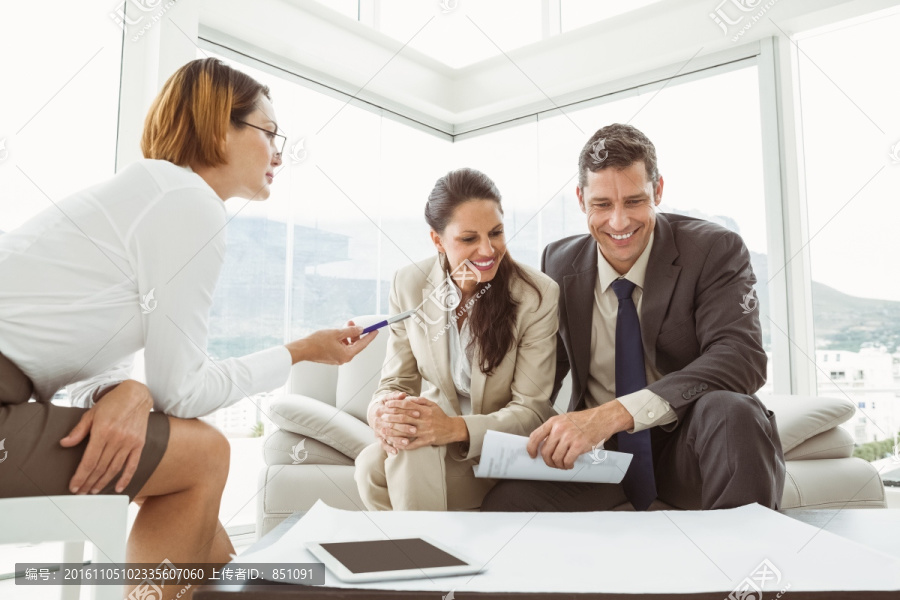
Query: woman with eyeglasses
<point x="132" y="263"/>
<point x="479" y="354"/>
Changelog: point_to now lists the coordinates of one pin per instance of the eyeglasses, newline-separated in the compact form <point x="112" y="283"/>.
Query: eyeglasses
<point x="277" y="139"/>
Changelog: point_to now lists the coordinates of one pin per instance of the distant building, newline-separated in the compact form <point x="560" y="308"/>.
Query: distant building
<point x="240" y="419"/>
<point x="869" y="379"/>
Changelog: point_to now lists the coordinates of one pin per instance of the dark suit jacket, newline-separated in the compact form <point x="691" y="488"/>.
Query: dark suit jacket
<point x="695" y="325"/>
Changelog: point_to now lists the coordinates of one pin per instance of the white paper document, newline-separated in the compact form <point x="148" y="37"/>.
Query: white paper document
<point x="607" y="551"/>
<point x="503" y="456"/>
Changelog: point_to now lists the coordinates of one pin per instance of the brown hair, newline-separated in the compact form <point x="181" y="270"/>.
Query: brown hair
<point x="492" y="319"/>
<point x="621" y="146"/>
<point x="189" y="118"/>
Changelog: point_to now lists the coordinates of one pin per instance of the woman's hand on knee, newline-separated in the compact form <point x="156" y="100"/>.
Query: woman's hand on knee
<point x="117" y="425"/>
<point x="392" y="419"/>
<point x="435" y="427"/>
<point x="399" y="417"/>
<point x="395" y="420"/>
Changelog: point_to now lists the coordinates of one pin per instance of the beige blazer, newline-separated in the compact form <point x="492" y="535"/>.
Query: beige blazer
<point x="515" y="398"/>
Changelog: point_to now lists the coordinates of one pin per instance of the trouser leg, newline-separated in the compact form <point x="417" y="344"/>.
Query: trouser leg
<point x="370" y="478"/>
<point x="725" y="453"/>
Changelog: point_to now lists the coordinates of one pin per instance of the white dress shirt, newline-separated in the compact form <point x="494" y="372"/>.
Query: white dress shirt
<point x="126" y="264"/>
<point x="647" y="408"/>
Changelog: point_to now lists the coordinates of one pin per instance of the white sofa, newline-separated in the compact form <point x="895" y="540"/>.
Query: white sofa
<point x="322" y="428"/>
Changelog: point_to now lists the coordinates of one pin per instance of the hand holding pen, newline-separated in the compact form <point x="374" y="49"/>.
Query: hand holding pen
<point x="389" y="321"/>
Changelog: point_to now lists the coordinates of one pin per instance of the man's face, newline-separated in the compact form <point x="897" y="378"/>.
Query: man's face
<point x="619" y="204"/>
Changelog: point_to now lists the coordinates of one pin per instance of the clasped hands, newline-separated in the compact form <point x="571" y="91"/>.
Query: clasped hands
<point x="404" y="422"/>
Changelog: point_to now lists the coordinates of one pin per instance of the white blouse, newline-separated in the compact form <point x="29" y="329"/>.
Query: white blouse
<point x="461" y="358"/>
<point x="129" y="263"/>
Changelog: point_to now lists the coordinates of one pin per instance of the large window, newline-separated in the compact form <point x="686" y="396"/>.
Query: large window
<point x="52" y="141"/>
<point x="709" y="152"/>
<point x="851" y="143"/>
<point x="345" y="213"/>
<point x="57" y="134"/>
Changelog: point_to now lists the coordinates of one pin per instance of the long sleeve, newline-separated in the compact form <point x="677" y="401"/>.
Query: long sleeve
<point x="177" y="246"/>
<point x="731" y="352"/>
<point x="400" y="371"/>
<point x="562" y="357"/>
<point x="84" y="393"/>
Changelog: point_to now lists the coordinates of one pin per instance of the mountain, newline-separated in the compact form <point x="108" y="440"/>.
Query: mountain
<point x="846" y="322"/>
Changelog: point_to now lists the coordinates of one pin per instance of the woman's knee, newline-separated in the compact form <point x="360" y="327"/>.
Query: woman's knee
<point x="208" y="447"/>
<point x="197" y="456"/>
<point x="368" y="462"/>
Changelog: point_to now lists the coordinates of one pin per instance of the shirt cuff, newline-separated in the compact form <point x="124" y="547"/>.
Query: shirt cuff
<point x="268" y="368"/>
<point x="648" y="410"/>
<point x="85" y="394"/>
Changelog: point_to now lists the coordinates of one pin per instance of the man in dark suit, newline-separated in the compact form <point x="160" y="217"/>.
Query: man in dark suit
<point x="665" y="355"/>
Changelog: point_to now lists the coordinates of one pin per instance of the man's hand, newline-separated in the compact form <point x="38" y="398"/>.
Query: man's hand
<point x="331" y="346"/>
<point x="566" y="437"/>
<point x="117" y="425"/>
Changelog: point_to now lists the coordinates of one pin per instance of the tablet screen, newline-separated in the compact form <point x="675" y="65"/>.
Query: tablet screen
<point x="390" y="555"/>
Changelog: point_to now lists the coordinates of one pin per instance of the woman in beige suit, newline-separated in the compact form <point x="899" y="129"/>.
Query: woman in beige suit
<point x="479" y="353"/>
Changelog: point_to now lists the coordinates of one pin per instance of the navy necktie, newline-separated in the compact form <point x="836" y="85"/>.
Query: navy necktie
<point x="639" y="482"/>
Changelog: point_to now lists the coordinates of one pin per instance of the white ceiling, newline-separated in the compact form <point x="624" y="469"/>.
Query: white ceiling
<point x="328" y="49"/>
<point x="483" y="25"/>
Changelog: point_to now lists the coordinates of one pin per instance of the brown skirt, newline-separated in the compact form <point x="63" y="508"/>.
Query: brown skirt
<point x="32" y="463"/>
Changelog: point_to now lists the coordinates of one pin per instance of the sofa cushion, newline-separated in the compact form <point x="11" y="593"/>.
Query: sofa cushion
<point x="289" y="448"/>
<point x="834" y="443"/>
<point x="288" y="489"/>
<point x="322" y="422"/>
<point x="358" y="379"/>
<point x="832" y="483"/>
<point x="801" y="417"/>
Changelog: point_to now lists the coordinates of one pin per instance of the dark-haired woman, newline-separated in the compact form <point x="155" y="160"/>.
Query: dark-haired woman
<point x="479" y="354"/>
<point x="132" y="263"/>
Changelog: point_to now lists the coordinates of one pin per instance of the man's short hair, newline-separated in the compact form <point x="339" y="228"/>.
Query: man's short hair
<point x="617" y="146"/>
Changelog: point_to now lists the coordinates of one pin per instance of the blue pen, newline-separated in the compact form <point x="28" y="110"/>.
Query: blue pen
<point x="390" y="320"/>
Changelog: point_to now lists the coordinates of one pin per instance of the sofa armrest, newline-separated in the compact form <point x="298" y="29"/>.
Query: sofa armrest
<point x="834" y="443"/>
<point x="799" y="418"/>
<point x="289" y="448"/>
<point x="315" y="419"/>
<point x="832" y="483"/>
